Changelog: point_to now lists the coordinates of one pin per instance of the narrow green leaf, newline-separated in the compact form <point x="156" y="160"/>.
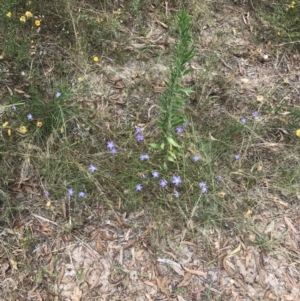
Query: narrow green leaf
<point x="173" y="142"/>
<point x="170" y="159"/>
<point x="154" y="145"/>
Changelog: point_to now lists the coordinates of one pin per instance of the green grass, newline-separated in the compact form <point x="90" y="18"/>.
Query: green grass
<point x="77" y="125"/>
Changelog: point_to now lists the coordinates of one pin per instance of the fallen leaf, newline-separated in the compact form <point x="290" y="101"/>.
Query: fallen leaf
<point x="177" y="270"/>
<point x="77" y="294"/>
<point x="235" y="251"/>
<point x="150" y="283"/>
<point x="186" y="280"/>
<point x="195" y="272"/>
<point x="138" y="254"/>
<point x="99" y="246"/>
<point x="245" y="80"/>
<point x="288" y="222"/>
<point x="14" y="264"/>
<point x="180" y="298"/>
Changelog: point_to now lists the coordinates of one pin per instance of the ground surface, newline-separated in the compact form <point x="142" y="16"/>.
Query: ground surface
<point x="110" y="255"/>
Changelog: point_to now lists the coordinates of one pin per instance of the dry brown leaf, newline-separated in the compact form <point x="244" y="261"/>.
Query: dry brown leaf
<point x="195" y="272"/>
<point x="138" y="254"/>
<point x="150" y="283"/>
<point x="99" y="246"/>
<point x="38" y="295"/>
<point x="77" y="294"/>
<point x="14" y="264"/>
<point x="148" y="297"/>
<point x="290" y="225"/>
<point x="180" y="298"/>
<point x="186" y="280"/>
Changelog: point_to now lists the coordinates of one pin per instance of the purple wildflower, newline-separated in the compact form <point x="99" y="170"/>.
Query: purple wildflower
<point x="113" y="151"/>
<point x="163" y="183"/>
<point x="81" y="194"/>
<point x="13" y="107"/>
<point x="93" y="168"/>
<point x="70" y="191"/>
<point x="138" y="130"/>
<point x="176" y="194"/>
<point x="29" y="116"/>
<point x="176" y="180"/>
<point x="144" y="157"/>
<point x="196" y="158"/>
<point x="179" y="129"/>
<point x="203" y="187"/>
<point x="57" y="94"/>
<point x="237" y="156"/>
<point x="155" y="174"/>
<point x="110" y="145"/>
<point x="219" y="178"/>
<point x="46" y="193"/>
<point x="139" y="137"/>
<point x="243" y="120"/>
<point x="138" y="187"/>
<point x="255" y="114"/>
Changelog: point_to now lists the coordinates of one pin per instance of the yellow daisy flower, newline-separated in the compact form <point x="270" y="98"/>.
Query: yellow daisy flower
<point x="298" y="133"/>
<point x="99" y="20"/>
<point x="80" y="79"/>
<point x="37" y="23"/>
<point x="5" y="124"/>
<point x="22" y="129"/>
<point x="28" y="14"/>
<point x="9" y="132"/>
<point x="39" y="123"/>
<point x="23" y="19"/>
<point x="96" y="59"/>
<point x="9" y="15"/>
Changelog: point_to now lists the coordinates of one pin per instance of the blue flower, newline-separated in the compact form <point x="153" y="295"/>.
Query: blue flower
<point x="237" y="156"/>
<point x="13" y="107"/>
<point x="243" y="120"/>
<point x="46" y="193"/>
<point x="196" y="158"/>
<point x="81" y="194"/>
<point x="255" y="114"/>
<point x="155" y="174"/>
<point x="57" y="94"/>
<point x="29" y="117"/>
<point x="70" y="191"/>
<point x="113" y="151"/>
<point x="138" y="187"/>
<point x="176" y="194"/>
<point x="139" y="137"/>
<point x="176" y="180"/>
<point x="219" y="178"/>
<point x="110" y="145"/>
<point x="93" y="168"/>
<point x="179" y="129"/>
<point x="138" y="130"/>
<point x="144" y="157"/>
<point x="163" y="183"/>
<point x="203" y="187"/>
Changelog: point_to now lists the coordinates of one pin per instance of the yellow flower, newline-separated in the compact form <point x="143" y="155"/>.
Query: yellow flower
<point x="298" y="133"/>
<point x="28" y="14"/>
<point x="9" y="132"/>
<point x="279" y="33"/>
<point x="9" y="15"/>
<point x="80" y="79"/>
<point x="39" y="123"/>
<point x="99" y="20"/>
<point x="23" y="19"/>
<point x="22" y="129"/>
<point x="61" y="130"/>
<point x="221" y="194"/>
<point x="37" y="22"/>
<point x="5" y="124"/>
<point x="96" y="59"/>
